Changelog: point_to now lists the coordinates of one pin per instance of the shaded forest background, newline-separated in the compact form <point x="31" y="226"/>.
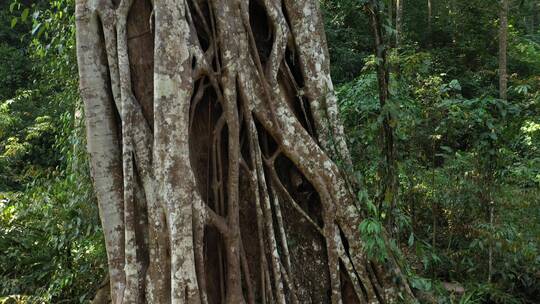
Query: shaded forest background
<point x="468" y="162"/>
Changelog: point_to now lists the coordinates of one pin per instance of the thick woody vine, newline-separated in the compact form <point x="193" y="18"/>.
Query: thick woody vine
<point x="241" y="92"/>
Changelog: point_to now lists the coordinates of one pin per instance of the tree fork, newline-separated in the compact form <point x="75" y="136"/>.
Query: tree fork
<point x="217" y="154"/>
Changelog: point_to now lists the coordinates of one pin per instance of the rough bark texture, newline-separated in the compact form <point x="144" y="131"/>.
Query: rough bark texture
<point x="217" y="155"/>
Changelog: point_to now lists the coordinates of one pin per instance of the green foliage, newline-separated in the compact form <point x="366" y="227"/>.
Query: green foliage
<point x="459" y="148"/>
<point x="372" y="232"/>
<point x="349" y="45"/>
<point x="13" y="70"/>
<point x="48" y="214"/>
<point x="56" y="247"/>
<point x="26" y="134"/>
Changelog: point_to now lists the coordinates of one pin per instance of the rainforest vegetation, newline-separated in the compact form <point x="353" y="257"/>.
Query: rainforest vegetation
<point x="440" y="104"/>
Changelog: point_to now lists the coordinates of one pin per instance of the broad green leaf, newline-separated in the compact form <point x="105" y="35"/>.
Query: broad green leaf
<point x="24" y="14"/>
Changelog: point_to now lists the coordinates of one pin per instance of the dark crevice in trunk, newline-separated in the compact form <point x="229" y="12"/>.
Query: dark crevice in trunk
<point x="375" y="282"/>
<point x="261" y="30"/>
<point x="267" y="143"/>
<point x="291" y="58"/>
<point x="213" y="244"/>
<point x="300" y="188"/>
<point x="141" y="59"/>
<point x="347" y="289"/>
<point x="203" y="121"/>
<point x="201" y="20"/>
<point x="116" y="113"/>
<point x="141" y="228"/>
<point x="347" y="252"/>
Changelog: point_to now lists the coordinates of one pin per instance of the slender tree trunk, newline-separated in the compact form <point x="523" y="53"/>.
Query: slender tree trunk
<point x="389" y="181"/>
<point x="391" y="12"/>
<point x="488" y="200"/>
<point x="503" y="43"/>
<point x="216" y="153"/>
<point x="390" y="16"/>
<point x="429" y="20"/>
<point x="434" y="205"/>
<point x="452" y="12"/>
<point x="535" y="18"/>
<point x="399" y="22"/>
<point x="490" y="250"/>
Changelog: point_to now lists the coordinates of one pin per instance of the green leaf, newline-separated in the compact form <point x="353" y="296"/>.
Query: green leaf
<point x="455" y="85"/>
<point x="24" y="14"/>
<point x="411" y="240"/>
<point x="372" y="208"/>
<point x="14" y="22"/>
<point x="447" y="149"/>
<point x="41" y="30"/>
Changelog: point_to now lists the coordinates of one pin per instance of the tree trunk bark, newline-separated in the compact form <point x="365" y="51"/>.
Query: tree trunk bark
<point x="390" y="17"/>
<point x="503" y="43"/>
<point x="399" y="22"/>
<point x="217" y="155"/>
<point x="430" y="31"/>
<point x="535" y="18"/>
<point x="389" y="181"/>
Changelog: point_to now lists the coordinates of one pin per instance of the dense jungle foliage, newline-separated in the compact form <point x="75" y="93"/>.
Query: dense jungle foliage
<point x="467" y="220"/>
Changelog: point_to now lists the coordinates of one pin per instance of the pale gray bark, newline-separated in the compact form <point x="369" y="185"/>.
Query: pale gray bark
<point x="223" y="181"/>
<point x="103" y="143"/>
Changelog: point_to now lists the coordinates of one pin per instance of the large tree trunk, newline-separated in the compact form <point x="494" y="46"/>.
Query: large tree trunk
<point x="216" y="152"/>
